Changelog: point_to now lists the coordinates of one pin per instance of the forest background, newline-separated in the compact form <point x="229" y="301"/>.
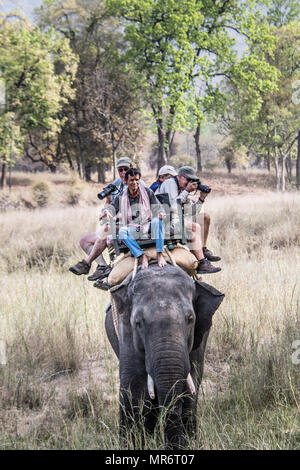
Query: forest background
<point x="210" y="84"/>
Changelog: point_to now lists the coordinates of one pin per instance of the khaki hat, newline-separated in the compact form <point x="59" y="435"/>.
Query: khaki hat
<point x="188" y="172"/>
<point x="124" y="161"/>
<point x="167" y="170"/>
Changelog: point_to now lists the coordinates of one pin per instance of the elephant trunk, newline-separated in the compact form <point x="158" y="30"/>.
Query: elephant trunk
<point x="169" y="370"/>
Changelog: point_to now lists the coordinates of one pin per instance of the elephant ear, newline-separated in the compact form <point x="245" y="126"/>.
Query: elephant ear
<point x="121" y="298"/>
<point x="207" y="300"/>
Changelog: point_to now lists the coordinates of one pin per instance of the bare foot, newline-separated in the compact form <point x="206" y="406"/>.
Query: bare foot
<point x="161" y="260"/>
<point x="145" y="263"/>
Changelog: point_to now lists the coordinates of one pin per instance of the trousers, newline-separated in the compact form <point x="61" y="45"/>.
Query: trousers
<point x="128" y="235"/>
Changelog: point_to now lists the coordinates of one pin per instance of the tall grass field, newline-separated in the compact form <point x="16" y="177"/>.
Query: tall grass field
<point x="59" y="377"/>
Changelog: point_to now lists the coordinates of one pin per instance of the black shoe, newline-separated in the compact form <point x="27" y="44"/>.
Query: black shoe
<point x="205" y="267"/>
<point x="209" y="255"/>
<point x="100" y="273"/>
<point x="80" y="268"/>
<point x="102" y="285"/>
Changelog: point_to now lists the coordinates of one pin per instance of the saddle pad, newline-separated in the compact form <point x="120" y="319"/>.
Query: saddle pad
<point x="181" y="255"/>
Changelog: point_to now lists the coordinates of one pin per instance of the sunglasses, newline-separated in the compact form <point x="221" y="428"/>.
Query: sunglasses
<point x="122" y="170"/>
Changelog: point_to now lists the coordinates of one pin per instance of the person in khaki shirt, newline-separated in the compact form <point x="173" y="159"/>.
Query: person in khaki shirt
<point x="180" y="187"/>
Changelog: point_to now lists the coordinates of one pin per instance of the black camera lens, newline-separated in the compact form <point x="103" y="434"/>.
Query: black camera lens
<point x="203" y="188"/>
<point x="106" y="191"/>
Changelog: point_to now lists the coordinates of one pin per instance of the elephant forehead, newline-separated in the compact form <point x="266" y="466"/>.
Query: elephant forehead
<point x="162" y="292"/>
<point x="163" y="295"/>
<point x="169" y="281"/>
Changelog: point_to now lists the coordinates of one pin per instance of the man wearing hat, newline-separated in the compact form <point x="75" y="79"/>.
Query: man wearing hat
<point x="165" y="172"/>
<point x="180" y="187"/>
<point x="123" y="164"/>
<point x="88" y="241"/>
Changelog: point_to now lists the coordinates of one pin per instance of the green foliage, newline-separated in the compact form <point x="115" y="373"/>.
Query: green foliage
<point x="273" y="127"/>
<point x="103" y="118"/>
<point x="11" y="139"/>
<point x="35" y="92"/>
<point x="283" y="12"/>
<point x="177" y="45"/>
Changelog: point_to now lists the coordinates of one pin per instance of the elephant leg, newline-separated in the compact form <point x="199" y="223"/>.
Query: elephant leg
<point x="175" y="438"/>
<point x="129" y="421"/>
<point x="189" y="411"/>
<point x="135" y="415"/>
<point x="150" y="416"/>
<point x="138" y="419"/>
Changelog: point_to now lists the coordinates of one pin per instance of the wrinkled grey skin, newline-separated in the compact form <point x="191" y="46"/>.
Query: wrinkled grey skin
<point x="164" y="322"/>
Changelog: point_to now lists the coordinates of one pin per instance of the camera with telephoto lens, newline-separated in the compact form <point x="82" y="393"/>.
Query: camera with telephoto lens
<point x="106" y="191"/>
<point x="202" y="187"/>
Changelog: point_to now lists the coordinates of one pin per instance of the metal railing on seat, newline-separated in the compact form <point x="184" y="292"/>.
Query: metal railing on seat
<point x="119" y="246"/>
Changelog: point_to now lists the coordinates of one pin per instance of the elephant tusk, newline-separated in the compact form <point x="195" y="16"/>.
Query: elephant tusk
<point x="190" y="384"/>
<point x="150" y="384"/>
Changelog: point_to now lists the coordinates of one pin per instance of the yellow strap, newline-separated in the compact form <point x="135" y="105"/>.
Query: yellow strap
<point x="170" y="256"/>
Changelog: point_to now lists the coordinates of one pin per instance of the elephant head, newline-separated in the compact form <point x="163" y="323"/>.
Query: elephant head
<point x="164" y="321"/>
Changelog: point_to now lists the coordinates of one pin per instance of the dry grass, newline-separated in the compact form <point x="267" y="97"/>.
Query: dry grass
<point x="59" y="388"/>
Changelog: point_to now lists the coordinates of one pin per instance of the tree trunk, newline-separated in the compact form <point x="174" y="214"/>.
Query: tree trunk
<point x="228" y="164"/>
<point x="52" y="167"/>
<point x="70" y="161"/>
<point x="114" y="161"/>
<point x="269" y="161"/>
<point x="78" y="166"/>
<point x="276" y="164"/>
<point x="161" y="159"/>
<point x="288" y="168"/>
<point x="88" y="171"/>
<point x="169" y="147"/>
<point x="169" y="133"/>
<point x="198" y="149"/>
<point x="101" y="172"/>
<point x="283" y="173"/>
<point x="298" y="164"/>
<point x="82" y="155"/>
<point x="3" y="173"/>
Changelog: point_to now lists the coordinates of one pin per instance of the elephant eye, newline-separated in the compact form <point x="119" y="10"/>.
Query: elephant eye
<point x="190" y="318"/>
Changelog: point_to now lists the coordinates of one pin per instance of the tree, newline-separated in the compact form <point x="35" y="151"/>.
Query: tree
<point x="35" y="93"/>
<point x="100" y="120"/>
<point x="114" y="106"/>
<point x="172" y="44"/>
<point x="283" y="12"/>
<point x="274" y="129"/>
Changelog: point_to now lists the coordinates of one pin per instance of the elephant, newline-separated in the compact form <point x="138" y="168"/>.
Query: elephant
<point x="164" y="319"/>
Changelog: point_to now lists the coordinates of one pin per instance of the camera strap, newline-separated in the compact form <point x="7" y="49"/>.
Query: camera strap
<point x="177" y="184"/>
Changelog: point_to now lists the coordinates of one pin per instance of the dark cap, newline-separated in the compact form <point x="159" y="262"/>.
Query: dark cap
<point x="188" y="172"/>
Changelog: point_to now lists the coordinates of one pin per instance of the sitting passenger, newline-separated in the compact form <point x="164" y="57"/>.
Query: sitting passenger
<point x="93" y="243"/>
<point x="134" y="224"/>
<point x="180" y="188"/>
<point x="136" y="206"/>
<point x="165" y="172"/>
